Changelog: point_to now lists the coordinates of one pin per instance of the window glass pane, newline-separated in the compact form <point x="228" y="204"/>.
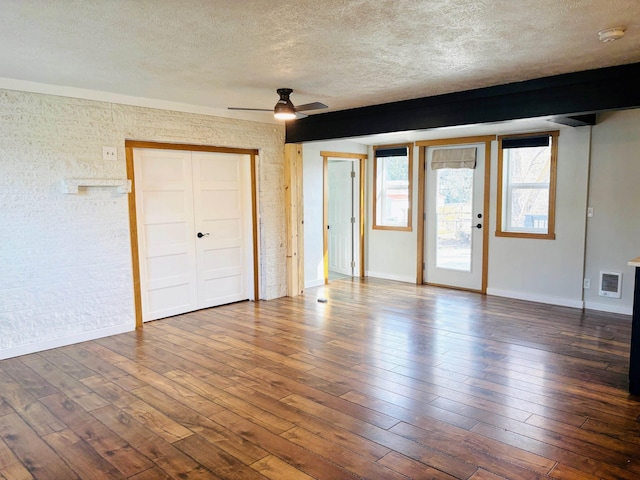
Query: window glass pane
<point x="528" y="165"/>
<point x="529" y="209"/>
<point x="392" y="191"/>
<point x="454" y="218"/>
<point x="526" y="189"/>
<point x="527" y="177"/>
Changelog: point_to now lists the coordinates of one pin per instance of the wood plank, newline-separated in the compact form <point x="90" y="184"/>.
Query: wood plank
<point x="433" y="458"/>
<point x="339" y="406"/>
<point x="354" y="463"/>
<point x="103" y="368"/>
<point x="73" y="388"/>
<point x="32" y="451"/>
<point x="579" y="461"/>
<point x="327" y="430"/>
<point x="222" y="464"/>
<point x="10" y="465"/>
<point x="493" y="456"/>
<point x="80" y="456"/>
<point x="276" y="469"/>
<point x="412" y="468"/>
<point x="304" y="461"/>
<point x="152" y="474"/>
<point x="102" y="440"/>
<point x="23" y="403"/>
<point x="427" y="413"/>
<point x="150" y="444"/>
<point x="29" y="380"/>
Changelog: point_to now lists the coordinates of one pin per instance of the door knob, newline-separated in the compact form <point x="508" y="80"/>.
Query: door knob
<point x="479" y="225"/>
<point x="200" y="234"/>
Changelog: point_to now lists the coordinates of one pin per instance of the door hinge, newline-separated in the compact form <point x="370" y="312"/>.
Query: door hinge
<point x="424" y="216"/>
<point x="353" y="264"/>
<point x="423" y="266"/>
<point x="353" y="219"/>
<point x="353" y="174"/>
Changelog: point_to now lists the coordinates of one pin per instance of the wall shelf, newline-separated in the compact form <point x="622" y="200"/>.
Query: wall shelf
<point x="71" y="185"/>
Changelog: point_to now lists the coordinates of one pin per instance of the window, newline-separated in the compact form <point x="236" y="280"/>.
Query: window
<point x="527" y="185"/>
<point x="392" y="172"/>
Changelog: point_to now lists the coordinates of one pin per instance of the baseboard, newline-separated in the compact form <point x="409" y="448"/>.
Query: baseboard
<point x="604" y="307"/>
<point x="387" y="276"/>
<point x="64" y="341"/>
<point x="314" y="283"/>
<point x="550" y="300"/>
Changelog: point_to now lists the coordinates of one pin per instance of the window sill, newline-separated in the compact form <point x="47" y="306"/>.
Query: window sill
<point x="537" y="236"/>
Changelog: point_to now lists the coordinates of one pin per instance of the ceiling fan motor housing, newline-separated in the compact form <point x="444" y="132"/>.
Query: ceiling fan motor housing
<point x="284" y="104"/>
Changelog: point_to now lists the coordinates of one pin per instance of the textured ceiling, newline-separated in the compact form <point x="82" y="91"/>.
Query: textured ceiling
<point x="344" y="53"/>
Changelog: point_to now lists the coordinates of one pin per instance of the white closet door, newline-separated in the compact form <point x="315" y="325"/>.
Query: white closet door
<point x="165" y="220"/>
<point x="221" y="216"/>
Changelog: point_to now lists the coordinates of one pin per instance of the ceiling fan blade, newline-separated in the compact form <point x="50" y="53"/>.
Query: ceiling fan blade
<point x="252" y="109"/>
<point x="310" y="106"/>
<point x="300" y="115"/>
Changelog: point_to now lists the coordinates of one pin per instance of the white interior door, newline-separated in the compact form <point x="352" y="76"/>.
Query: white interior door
<point x="193" y="214"/>
<point x="220" y="205"/>
<point x="341" y="217"/>
<point x="455" y="219"/>
<point x="165" y="219"/>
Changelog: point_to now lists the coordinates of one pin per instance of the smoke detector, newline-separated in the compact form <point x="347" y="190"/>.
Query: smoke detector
<point x="611" y="34"/>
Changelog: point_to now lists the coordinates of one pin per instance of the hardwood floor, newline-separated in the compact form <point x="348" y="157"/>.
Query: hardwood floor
<point x="385" y="381"/>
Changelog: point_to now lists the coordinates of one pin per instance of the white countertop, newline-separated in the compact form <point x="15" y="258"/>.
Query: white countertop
<point x="635" y="262"/>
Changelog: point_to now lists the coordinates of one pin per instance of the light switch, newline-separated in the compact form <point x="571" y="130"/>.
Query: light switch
<point x="590" y="212"/>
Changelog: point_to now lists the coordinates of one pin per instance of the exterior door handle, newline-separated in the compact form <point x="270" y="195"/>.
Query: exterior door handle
<point x="200" y="234"/>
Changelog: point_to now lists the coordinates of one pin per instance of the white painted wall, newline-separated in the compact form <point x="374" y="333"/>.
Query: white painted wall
<point x="613" y="233"/>
<point x="548" y="271"/>
<point x="597" y="166"/>
<point x="65" y="259"/>
<point x="313" y="191"/>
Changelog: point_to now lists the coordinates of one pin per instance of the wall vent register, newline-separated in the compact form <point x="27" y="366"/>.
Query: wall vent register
<point x="610" y="284"/>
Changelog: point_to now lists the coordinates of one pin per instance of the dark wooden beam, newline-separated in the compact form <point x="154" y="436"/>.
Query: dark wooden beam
<point x="576" y="120"/>
<point x="571" y="94"/>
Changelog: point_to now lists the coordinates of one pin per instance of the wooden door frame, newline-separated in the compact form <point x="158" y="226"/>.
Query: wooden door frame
<point x="360" y="158"/>
<point x="129" y="145"/>
<point x="422" y="159"/>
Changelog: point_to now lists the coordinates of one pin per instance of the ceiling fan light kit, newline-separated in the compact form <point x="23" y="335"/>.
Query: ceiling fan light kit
<point x="611" y="34"/>
<point x="284" y="109"/>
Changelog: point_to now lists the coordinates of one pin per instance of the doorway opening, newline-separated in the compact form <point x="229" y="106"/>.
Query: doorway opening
<point x="453" y="203"/>
<point x="343" y="215"/>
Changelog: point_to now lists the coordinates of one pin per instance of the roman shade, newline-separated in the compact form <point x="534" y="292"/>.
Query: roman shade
<point x="454" y="158"/>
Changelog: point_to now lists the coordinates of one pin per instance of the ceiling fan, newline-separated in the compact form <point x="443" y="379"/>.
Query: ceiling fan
<point x="284" y="109"/>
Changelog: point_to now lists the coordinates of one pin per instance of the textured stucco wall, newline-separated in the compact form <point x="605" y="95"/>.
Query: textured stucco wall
<point x="65" y="260"/>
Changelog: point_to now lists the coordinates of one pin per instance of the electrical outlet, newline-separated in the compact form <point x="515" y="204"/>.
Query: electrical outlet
<point x="587" y="283"/>
<point x="109" y="153"/>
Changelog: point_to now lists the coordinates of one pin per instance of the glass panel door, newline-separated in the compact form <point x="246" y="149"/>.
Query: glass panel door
<point x="454" y="212"/>
<point x="454" y="223"/>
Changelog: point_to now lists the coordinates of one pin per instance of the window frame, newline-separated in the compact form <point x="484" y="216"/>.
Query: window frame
<point x="501" y="211"/>
<point x="403" y="228"/>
